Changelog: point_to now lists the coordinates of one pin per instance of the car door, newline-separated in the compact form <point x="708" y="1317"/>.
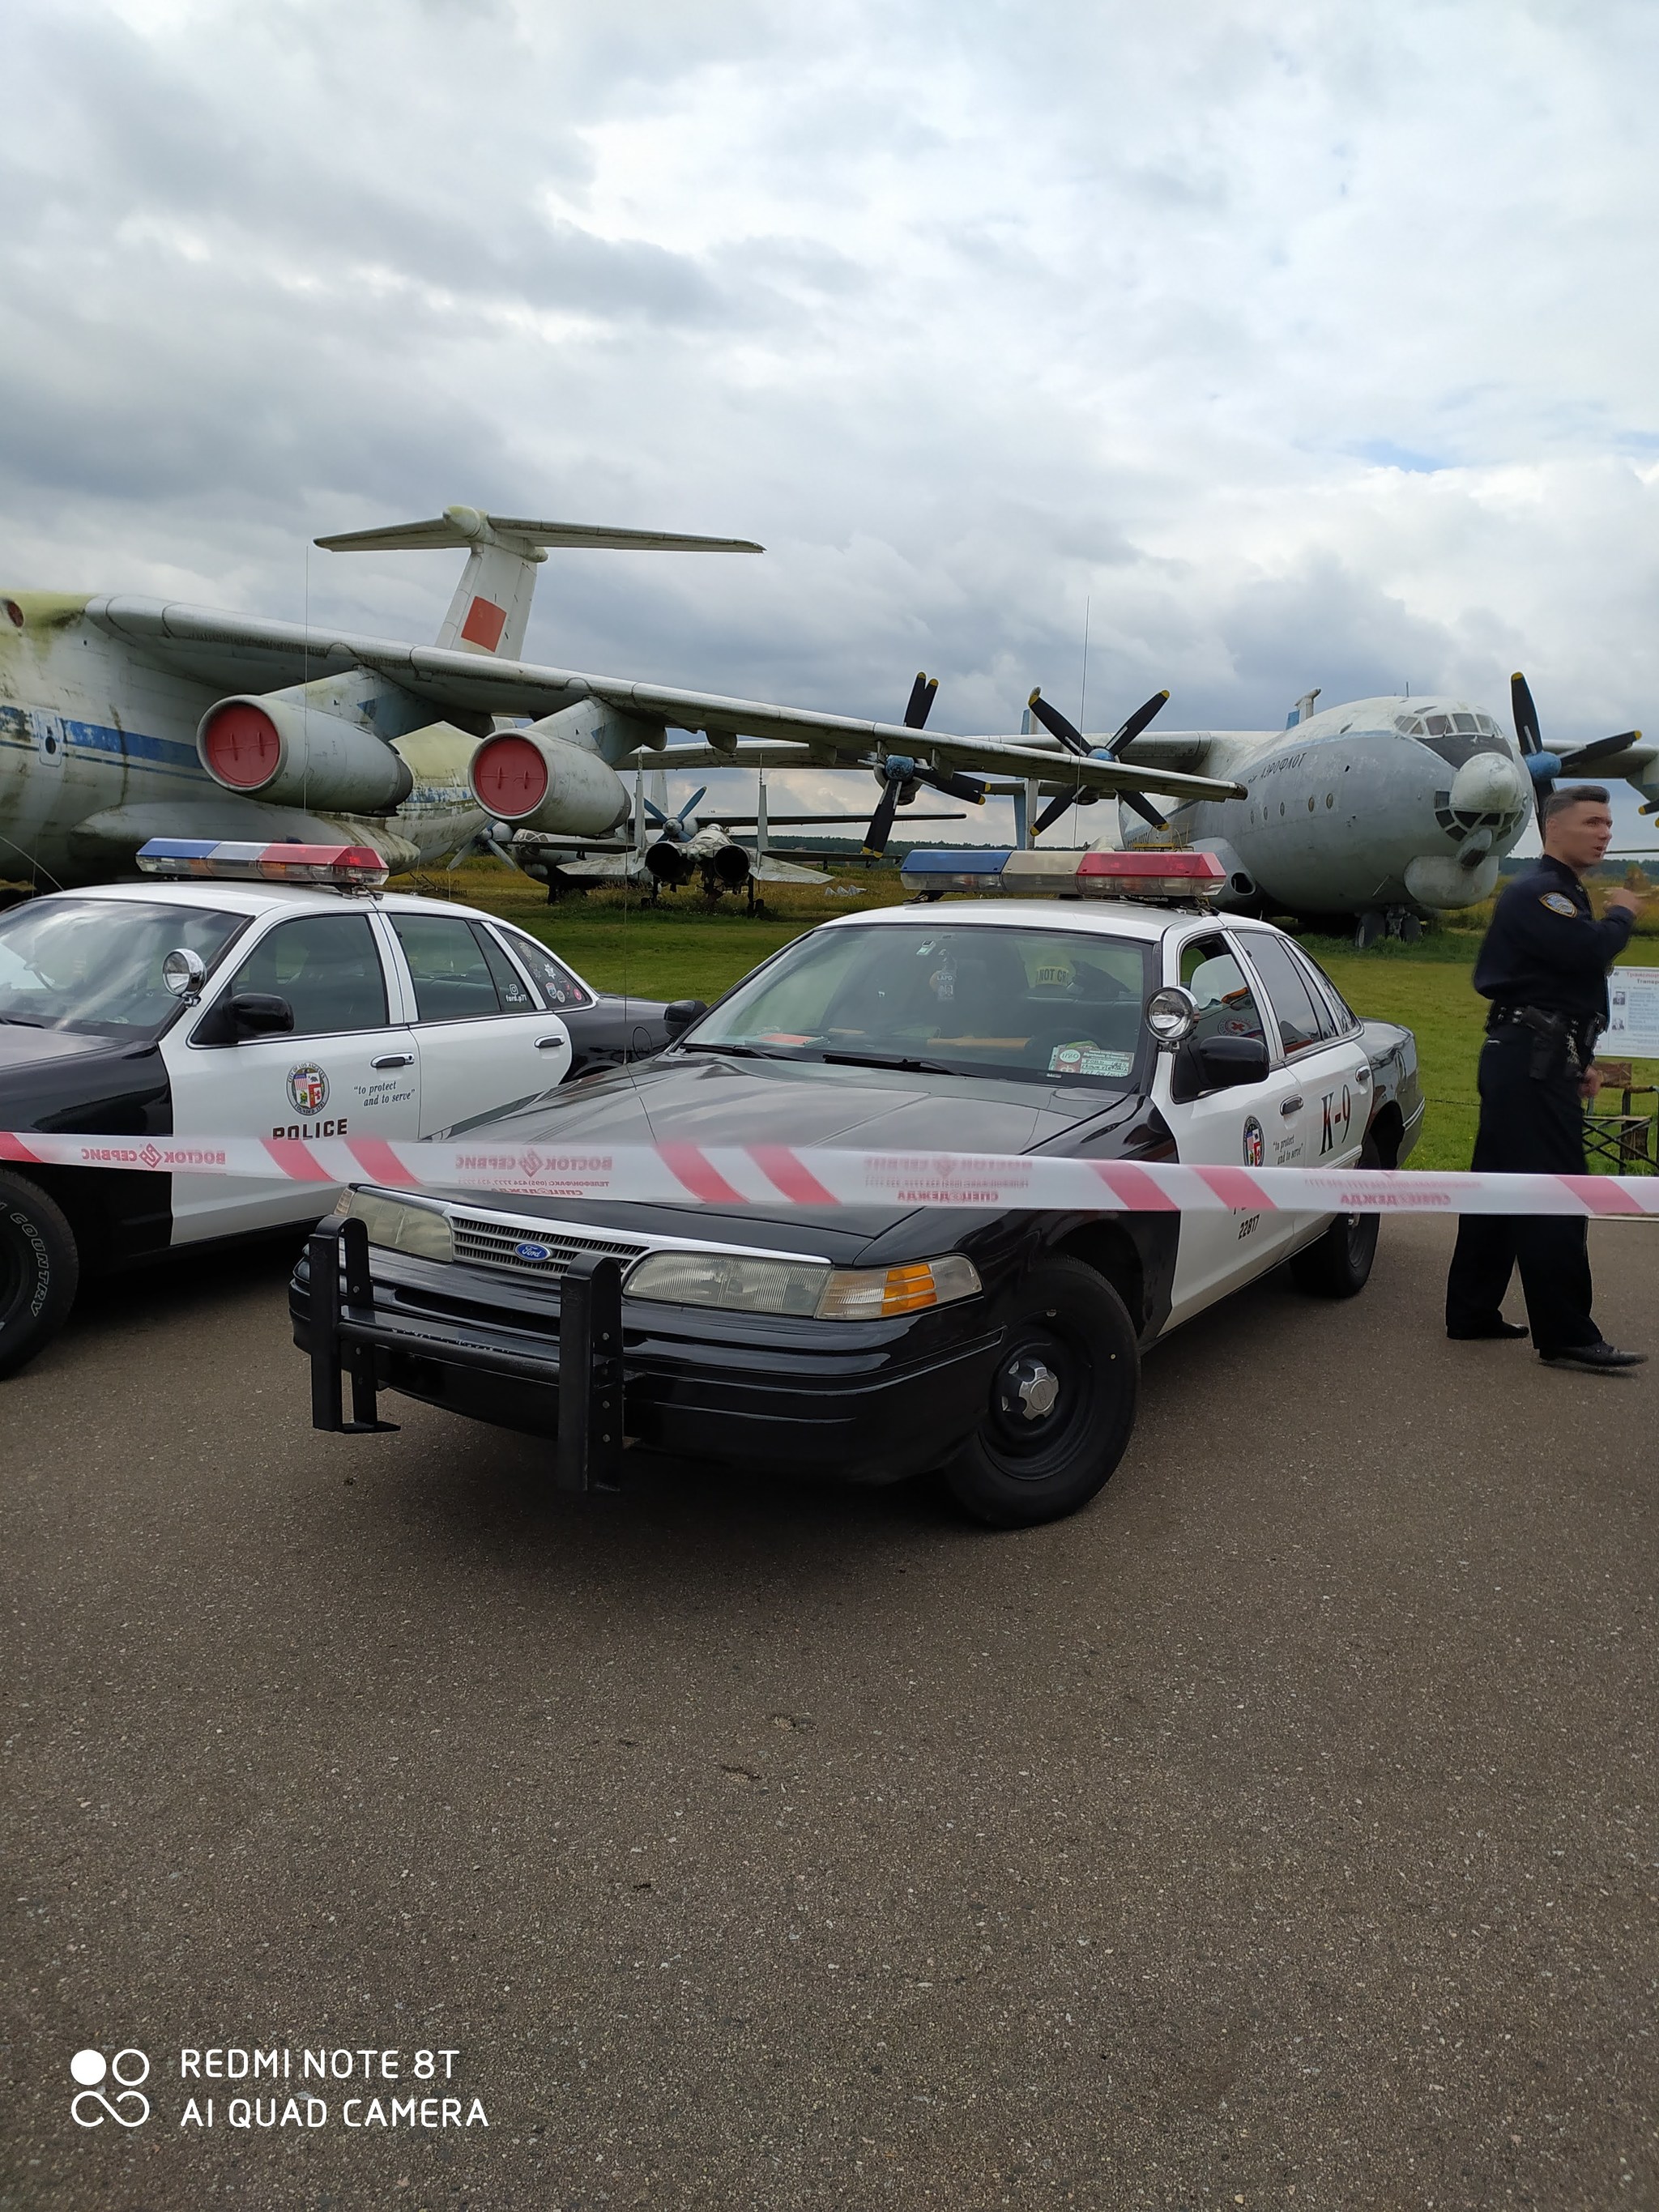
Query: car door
<point x="1246" y="1125"/>
<point x="483" y="1043"/>
<point x="347" y="1068"/>
<point x="1331" y="1073"/>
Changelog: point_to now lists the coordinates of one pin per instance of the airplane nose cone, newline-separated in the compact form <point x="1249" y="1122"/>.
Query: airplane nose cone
<point x="1490" y="783"/>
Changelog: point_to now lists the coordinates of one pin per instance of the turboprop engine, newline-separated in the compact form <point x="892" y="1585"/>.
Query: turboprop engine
<point x="294" y="754"/>
<point x="552" y="774"/>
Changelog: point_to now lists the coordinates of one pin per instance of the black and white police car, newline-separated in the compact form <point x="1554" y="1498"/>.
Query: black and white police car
<point x="269" y="991"/>
<point x="870" y="1342"/>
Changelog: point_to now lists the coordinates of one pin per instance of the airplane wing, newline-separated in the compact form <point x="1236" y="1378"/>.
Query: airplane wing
<point x="242" y="653"/>
<point x="1631" y="761"/>
<point x="611" y="868"/>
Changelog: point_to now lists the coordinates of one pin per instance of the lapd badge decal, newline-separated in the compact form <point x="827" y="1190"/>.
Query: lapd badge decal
<point x="1558" y="902"/>
<point x="1255" y="1144"/>
<point x="307" y="1087"/>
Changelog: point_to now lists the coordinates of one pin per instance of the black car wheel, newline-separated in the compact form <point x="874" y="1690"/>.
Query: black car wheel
<point x="39" y="1270"/>
<point x="1340" y="1265"/>
<point x="1062" y="1405"/>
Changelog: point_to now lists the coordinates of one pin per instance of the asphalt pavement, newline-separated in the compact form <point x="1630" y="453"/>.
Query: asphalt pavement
<point x="1278" y="1833"/>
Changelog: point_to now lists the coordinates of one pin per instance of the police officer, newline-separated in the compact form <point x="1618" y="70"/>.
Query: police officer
<point x="1543" y="966"/>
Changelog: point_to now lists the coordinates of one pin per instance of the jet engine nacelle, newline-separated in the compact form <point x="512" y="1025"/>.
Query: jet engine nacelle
<point x="295" y="755"/>
<point x="548" y="776"/>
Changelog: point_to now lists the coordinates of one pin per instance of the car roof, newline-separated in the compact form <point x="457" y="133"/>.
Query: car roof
<point x="230" y="897"/>
<point x="1101" y="917"/>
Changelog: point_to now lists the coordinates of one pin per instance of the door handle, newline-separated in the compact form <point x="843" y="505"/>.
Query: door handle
<point x="1293" y="1105"/>
<point x="1362" y="1076"/>
<point x="393" y="1059"/>
<point x="549" y="1044"/>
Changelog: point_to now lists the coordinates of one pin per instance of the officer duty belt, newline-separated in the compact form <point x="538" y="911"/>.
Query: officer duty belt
<point x="1560" y="1043"/>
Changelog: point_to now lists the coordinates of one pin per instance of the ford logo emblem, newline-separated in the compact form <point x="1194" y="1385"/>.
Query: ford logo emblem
<point x="531" y="1252"/>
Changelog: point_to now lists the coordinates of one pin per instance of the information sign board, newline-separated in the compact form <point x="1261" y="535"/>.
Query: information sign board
<point x="1633" y="1030"/>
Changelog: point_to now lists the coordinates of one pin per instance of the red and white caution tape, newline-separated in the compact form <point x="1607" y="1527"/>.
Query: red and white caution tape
<point x="783" y="1175"/>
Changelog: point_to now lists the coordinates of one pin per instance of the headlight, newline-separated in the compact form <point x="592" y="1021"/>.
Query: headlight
<point x="722" y="1278"/>
<point x="400" y="1225"/>
<point x="805" y="1288"/>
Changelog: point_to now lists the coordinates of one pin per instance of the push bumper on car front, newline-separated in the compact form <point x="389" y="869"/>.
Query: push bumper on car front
<point x="865" y="1402"/>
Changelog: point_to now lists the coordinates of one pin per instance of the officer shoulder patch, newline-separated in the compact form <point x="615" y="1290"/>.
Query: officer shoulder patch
<point x="1558" y="902"/>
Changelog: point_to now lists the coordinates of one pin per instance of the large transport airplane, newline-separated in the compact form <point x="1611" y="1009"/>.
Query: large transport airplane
<point x="1382" y="810"/>
<point x="1379" y="812"/>
<point x="126" y="718"/>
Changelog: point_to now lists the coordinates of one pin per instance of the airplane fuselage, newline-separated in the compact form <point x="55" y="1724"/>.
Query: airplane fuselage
<point x="97" y="752"/>
<point x="1379" y="804"/>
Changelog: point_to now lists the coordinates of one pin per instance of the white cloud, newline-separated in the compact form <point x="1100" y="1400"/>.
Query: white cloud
<point x="1305" y="344"/>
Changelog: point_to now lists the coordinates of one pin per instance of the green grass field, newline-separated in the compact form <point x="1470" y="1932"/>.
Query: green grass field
<point x="681" y="950"/>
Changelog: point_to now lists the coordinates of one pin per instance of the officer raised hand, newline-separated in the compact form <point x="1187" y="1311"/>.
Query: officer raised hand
<point x="1543" y="966"/>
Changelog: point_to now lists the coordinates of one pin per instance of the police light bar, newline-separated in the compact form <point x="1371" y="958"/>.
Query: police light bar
<point x="358" y="866"/>
<point x="1132" y="875"/>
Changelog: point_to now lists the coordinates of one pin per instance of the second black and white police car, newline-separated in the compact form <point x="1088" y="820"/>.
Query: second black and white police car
<point x="872" y="1343"/>
<point x="255" y="990"/>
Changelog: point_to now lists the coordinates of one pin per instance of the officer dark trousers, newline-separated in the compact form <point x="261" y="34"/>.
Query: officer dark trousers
<point x="1529" y="1125"/>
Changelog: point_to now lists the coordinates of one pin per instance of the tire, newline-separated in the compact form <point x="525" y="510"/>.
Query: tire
<point x="1066" y="1325"/>
<point x="1340" y="1265"/>
<point x="40" y="1268"/>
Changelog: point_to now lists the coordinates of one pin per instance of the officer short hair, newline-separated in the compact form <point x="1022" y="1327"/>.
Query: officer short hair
<point x="1576" y="794"/>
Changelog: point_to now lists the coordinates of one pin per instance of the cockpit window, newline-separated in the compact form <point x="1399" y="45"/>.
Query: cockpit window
<point x="1465" y="725"/>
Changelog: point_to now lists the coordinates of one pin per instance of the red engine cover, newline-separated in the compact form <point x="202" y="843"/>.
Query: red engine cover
<point x="241" y="746"/>
<point x="509" y="777"/>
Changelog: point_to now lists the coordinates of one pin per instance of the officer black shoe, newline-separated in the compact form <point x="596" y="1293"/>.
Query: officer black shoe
<point x="1500" y="1330"/>
<point x="1593" y="1358"/>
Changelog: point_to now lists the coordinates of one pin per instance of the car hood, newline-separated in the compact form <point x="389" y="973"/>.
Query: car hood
<point x="64" y="1079"/>
<point x="705" y="1099"/>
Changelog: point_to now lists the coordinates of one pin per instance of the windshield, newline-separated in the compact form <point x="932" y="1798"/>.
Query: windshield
<point x="1041" y="1006"/>
<point x="95" y="964"/>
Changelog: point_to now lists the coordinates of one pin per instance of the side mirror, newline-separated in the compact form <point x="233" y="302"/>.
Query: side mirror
<point x="260" y="1013"/>
<point x="678" y="1018"/>
<point x="1227" y="1062"/>
<point x="249" y="1014"/>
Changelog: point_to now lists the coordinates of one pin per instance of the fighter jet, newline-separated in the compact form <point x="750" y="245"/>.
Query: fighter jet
<point x="668" y="850"/>
<point x="125" y="719"/>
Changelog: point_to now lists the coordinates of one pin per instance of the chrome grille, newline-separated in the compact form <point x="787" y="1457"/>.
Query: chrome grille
<point x="482" y="1243"/>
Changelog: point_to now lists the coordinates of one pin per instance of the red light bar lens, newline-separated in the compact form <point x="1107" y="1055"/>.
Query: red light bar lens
<point x="1153" y="875"/>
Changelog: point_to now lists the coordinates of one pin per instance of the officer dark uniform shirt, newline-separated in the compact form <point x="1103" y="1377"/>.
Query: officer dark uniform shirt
<point x="1543" y="966"/>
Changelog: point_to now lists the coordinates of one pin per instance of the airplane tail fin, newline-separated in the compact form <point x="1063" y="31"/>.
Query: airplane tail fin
<point x="491" y="610"/>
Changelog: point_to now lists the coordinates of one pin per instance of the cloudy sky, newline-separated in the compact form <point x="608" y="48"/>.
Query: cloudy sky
<point x="1297" y="344"/>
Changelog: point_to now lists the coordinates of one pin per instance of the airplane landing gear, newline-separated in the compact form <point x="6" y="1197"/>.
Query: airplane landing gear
<point x="1386" y="922"/>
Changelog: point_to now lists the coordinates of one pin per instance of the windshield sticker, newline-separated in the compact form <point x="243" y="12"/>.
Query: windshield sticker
<point x="1086" y="1058"/>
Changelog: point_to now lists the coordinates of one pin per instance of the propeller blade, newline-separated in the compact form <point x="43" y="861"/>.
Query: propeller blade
<point x="1052" y="812"/>
<point x="921" y="703"/>
<point x="1144" y="808"/>
<point x="1526" y="734"/>
<point x="1602" y="749"/>
<point x="690" y="804"/>
<point x="655" y="810"/>
<point x="1056" y="724"/>
<point x="954" y="785"/>
<point x="881" y="822"/>
<point x="1136" y="723"/>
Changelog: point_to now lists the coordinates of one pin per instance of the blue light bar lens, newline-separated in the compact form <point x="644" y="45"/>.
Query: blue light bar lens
<point x="975" y="861"/>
